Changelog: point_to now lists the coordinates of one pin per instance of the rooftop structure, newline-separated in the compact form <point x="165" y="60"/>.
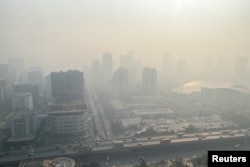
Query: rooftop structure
<point x="152" y="113"/>
<point x="58" y="162"/>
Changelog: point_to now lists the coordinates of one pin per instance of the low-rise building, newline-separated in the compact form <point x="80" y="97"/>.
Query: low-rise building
<point x="23" y="127"/>
<point x="70" y="122"/>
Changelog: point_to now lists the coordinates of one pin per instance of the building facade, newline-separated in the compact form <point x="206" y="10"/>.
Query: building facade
<point x="70" y="122"/>
<point x="23" y="124"/>
<point x="22" y="102"/>
<point x="29" y="88"/>
<point x="68" y="84"/>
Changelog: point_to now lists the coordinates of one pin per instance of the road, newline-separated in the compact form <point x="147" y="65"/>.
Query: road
<point x="93" y="106"/>
<point x="143" y="145"/>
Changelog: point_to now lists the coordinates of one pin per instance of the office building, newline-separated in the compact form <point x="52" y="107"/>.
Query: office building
<point x="23" y="128"/>
<point x="149" y="80"/>
<point x="67" y="85"/>
<point x="22" y="102"/>
<point x="68" y="121"/>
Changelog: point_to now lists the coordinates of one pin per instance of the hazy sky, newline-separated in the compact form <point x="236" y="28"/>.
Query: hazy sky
<point x="67" y="33"/>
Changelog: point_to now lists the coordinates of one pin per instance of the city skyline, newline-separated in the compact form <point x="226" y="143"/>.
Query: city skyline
<point x="77" y="32"/>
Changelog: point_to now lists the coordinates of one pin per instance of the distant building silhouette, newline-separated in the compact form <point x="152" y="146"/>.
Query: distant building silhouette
<point x="107" y="66"/>
<point x="67" y="85"/>
<point x="120" y="79"/>
<point x="35" y="77"/>
<point x="5" y="72"/>
<point x="149" y="80"/>
<point x="16" y="65"/>
<point x="2" y="95"/>
<point x="240" y="72"/>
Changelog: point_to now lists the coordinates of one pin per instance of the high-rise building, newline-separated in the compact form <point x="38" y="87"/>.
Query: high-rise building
<point x="120" y="79"/>
<point x="33" y="89"/>
<point x="107" y="66"/>
<point x="240" y="70"/>
<point x="6" y="87"/>
<point x="67" y="85"/>
<point x="47" y="91"/>
<point x="1" y="95"/>
<point x="5" y="72"/>
<point x="22" y="102"/>
<point x="35" y="77"/>
<point x="149" y="80"/>
<point x="16" y="64"/>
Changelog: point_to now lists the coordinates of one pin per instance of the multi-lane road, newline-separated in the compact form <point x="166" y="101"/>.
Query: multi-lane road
<point x="147" y="144"/>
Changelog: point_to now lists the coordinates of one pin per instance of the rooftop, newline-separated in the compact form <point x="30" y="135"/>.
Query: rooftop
<point x="21" y="138"/>
<point x="117" y="105"/>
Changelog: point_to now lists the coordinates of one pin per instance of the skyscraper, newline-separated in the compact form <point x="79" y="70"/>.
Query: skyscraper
<point x="67" y="85"/>
<point x="107" y="66"/>
<point x="149" y="80"/>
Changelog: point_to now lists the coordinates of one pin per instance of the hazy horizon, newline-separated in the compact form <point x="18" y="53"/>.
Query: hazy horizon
<point x="69" y="34"/>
